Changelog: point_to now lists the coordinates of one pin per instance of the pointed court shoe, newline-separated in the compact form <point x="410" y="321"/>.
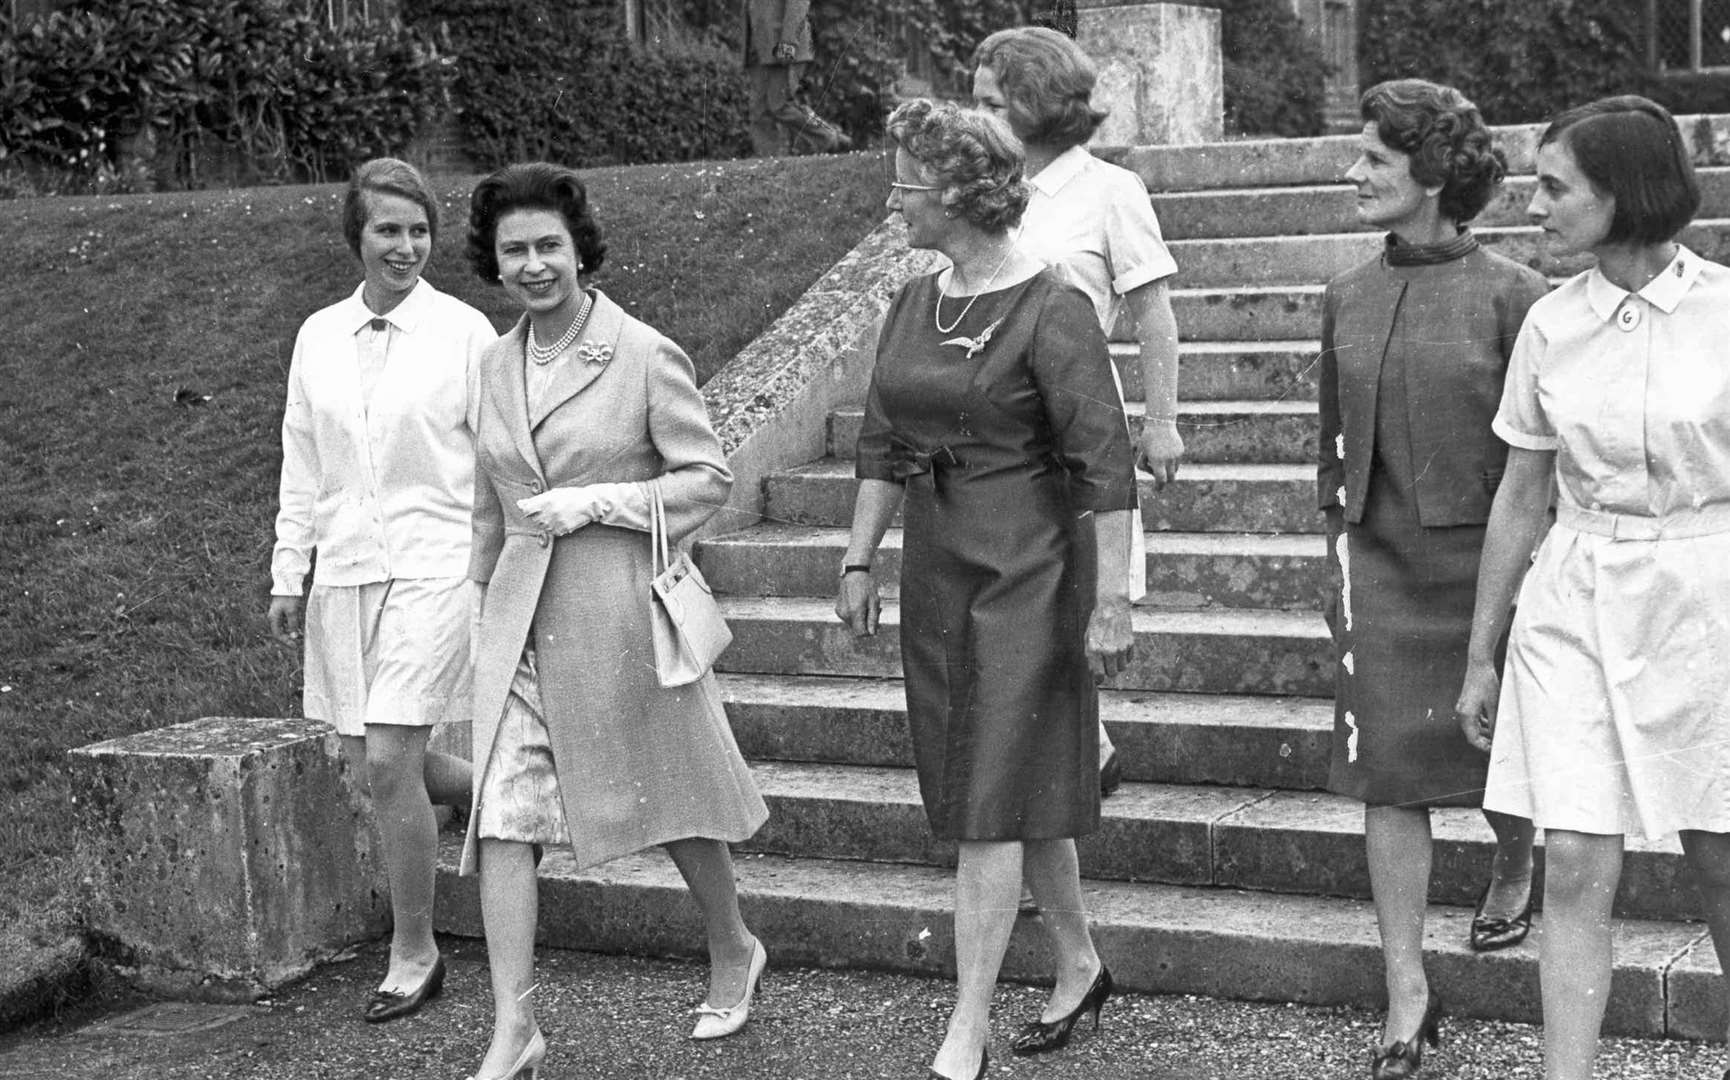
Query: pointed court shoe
<point x="715" y="1023"/>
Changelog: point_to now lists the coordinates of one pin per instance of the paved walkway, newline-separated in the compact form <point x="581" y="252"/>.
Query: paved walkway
<point x="617" y="1017"/>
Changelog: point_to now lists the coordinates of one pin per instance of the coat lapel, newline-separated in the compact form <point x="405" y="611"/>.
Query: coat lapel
<point x="510" y="391"/>
<point x="593" y="355"/>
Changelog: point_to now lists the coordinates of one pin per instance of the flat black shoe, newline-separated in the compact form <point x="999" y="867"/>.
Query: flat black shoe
<point x="1489" y="933"/>
<point x="1110" y="775"/>
<point x="985" y="1063"/>
<point x="1038" y="1037"/>
<point x="389" y="1005"/>
<point x="1403" y="1059"/>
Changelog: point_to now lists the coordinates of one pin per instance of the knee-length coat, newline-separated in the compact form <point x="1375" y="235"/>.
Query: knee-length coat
<point x="638" y="764"/>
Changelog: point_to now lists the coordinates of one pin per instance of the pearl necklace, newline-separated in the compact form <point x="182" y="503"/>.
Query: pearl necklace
<point x="937" y="308"/>
<point x="546" y="354"/>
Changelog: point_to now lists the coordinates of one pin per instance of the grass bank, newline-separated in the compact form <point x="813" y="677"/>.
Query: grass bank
<point x="142" y="367"/>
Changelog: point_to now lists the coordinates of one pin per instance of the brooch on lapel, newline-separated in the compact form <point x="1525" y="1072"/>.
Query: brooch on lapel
<point x="590" y="353"/>
<point x="975" y="346"/>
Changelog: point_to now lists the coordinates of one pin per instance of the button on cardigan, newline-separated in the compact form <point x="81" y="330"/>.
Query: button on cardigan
<point x="383" y="488"/>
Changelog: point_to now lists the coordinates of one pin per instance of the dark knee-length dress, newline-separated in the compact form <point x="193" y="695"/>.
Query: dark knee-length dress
<point x="1005" y="432"/>
<point x="1415" y="350"/>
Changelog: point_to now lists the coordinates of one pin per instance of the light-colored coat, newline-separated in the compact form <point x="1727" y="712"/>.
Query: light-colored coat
<point x="638" y="764"/>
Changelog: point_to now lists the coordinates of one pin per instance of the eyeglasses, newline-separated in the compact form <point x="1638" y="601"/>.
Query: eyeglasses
<point x="899" y="186"/>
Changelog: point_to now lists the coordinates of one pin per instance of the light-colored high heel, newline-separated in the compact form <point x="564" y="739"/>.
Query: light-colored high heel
<point x="713" y="1023"/>
<point x="529" y="1061"/>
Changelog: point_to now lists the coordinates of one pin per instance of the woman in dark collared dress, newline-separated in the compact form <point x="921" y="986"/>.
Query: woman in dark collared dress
<point x="993" y="416"/>
<point x="1415" y="346"/>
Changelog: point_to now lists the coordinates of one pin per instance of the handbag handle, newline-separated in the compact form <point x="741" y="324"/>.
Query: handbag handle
<point x="659" y="555"/>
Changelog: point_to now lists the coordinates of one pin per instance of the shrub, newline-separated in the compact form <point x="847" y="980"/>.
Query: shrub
<point x="1274" y="73"/>
<point x="274" y="91"/>
<point x="1520" y="60"/>
<point x="550" y="80"/>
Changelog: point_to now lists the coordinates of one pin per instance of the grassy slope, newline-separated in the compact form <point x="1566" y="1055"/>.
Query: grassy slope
<point x="135" y="533"/>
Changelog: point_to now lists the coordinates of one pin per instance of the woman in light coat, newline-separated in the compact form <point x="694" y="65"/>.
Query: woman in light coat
<point x="576" y="742"/>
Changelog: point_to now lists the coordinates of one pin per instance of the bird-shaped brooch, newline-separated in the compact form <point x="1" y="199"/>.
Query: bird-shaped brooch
<point x="975" y="345"/>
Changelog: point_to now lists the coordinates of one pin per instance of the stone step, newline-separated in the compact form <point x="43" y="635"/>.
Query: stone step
<point x="1253" y="163"/>
<point x="1269" y="261"/>
<point x="1314" y="209"/>
<point x="1204" y="498"/>
<point x="1190" y="570"/>
<point x="1235" y="740"/>
<point x="1230" y="370"/>
<point x="1219" y="651"/>
<point x="1158" y="939"/>
<point x="1177" y="834"/>
<point x="1240" y="314"/>
<point x="1214" y="432"/>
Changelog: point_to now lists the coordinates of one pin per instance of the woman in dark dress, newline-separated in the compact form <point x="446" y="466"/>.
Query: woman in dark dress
<point x="992" y="414"/>
<point x="1415" y="345"/>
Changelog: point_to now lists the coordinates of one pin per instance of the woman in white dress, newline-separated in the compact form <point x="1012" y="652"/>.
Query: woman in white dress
<point x="378" y="465"/>
<point x="1615" y="714"/>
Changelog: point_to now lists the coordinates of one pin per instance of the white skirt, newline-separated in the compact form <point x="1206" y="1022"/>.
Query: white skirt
<point x="388" y="652"/>
<point x="1615" y="707"/>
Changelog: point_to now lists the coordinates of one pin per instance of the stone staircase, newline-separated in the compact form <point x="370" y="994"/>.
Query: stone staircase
<point x="1221" y="867"/>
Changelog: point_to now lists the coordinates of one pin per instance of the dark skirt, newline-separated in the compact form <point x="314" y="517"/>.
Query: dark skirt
<point x="1403" y="657"/>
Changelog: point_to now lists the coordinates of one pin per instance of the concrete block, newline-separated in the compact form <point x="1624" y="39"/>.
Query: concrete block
<point x="1161" y="76"/>
<point x="231" y="855"/>
<point x="1234" y="371"/>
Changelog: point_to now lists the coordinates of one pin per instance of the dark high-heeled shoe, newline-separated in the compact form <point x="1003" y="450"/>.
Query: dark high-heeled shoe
<point x="1403" y="1059"/>
<point x="1037" y="1036"/>
<point x="984" y="1063"/>
<point x="1490" y="933"/>
<point x="385" y="1005"/>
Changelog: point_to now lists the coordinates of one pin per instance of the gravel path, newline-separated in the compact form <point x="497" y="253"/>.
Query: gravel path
<point x="619" y="1017"/>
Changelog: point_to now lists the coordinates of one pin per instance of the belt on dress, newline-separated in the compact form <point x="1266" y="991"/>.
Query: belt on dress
<point x="907" y="461"/>
<point x="1706" y="521"/>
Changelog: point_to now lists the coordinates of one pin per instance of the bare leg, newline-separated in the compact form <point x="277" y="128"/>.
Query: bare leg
<point x="449" y="779"/>
<point x="707" y="867"/>
<point x="1511" y="872"/>
<point x="509" y="908"/>
<point x="987" y="879"/>
<point x="1053" y="873"/>
<point x="1397" y="843"/>
<point x="1581" y="871"/>
<point x="394" y="766"/>
<point x="1709" y="858"/>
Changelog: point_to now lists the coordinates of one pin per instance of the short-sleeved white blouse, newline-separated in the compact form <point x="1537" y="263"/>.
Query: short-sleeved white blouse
<point x="1615" y="708"/>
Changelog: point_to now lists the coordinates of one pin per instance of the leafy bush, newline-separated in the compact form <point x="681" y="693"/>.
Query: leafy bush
<point x="1520" y="60"/>
<point x="1274" y="73"/>
<point x="555" y="80"/>
<point x="273" y="90"/>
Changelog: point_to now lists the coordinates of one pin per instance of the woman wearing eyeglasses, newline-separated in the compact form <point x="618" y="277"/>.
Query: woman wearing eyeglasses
<point x="994" y="421"/>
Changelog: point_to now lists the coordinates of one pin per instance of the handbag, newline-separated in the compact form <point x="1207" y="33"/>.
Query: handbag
<point x="684" y="619"/>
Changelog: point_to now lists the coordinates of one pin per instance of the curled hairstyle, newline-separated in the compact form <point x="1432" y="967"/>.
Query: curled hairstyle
<point x="972" y="155"/>
<point x="1047" y="82"/>
<point x="1631" y="149"/>
<point x="537" y="185"/>
<point x="385" y="176"/>
<point x="1445" y="136"/>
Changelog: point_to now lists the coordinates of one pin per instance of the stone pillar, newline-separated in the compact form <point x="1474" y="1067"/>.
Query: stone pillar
<point x="1333" y="26"/>
<point x="227" y="856"/>
<point x="1160" y="71"/>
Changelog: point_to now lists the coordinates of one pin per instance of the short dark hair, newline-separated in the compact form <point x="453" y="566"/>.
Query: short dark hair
<point x="535" y="185"/>
<point x="973" y="155"/>
<point x="385" y="176"/>
<point x="1445" y="137"/>
<point x="1630" y="148"/>
<point x="1047" y="82"/>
